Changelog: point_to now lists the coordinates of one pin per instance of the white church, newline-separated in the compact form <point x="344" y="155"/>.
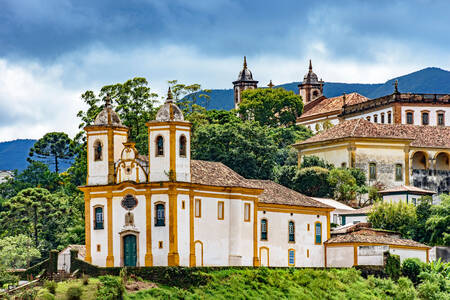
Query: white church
<point x="165" y="209"/>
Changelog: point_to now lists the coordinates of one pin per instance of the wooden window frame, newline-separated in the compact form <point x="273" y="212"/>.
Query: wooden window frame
<point x="99" y="248"/>
<point x="439" y="112"/>
<point x="370" y="174"/>
<point x="266" y="232"/>
<point x="375" y="118"/>
<point x="183" y="204"/>
<point x="220" y="210"/>
<point x="308" y="227"/>
<point x="185" y="146"/>
<point x="289" y="261"/>
<point x="412" y="116"/>
<point x="401" y="172"/>
<point x="382" y="118"/>
<point x="247" y="206"/>
<point x="315" y="233"/>
<point x="198" y="203"/>
<point x="160" y="245"/>
<point x="422" y="113"/>
<point x="156" y="223"/>
<point x="289" y="233"/>
<point x="95" y="217"/>
<point x="157" y="148"/>
<point x="389" y="116"/>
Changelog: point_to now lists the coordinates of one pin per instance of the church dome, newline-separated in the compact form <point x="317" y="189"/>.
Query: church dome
<point x="245" y="74"/>
<point x="108" y="116"/>
<point x="169" y="111"/>
<point x="310" y="77"/>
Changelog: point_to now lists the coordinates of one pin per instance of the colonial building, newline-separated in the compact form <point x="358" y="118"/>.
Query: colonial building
<point x="166" y="209"/>
<point x="391" y="154"/>
<point x="311" y="88"/>
<point x="244" y="82"/>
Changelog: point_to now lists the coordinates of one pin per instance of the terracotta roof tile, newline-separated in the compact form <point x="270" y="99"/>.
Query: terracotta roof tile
<point x="420" y="136"/>
<point x="376" y="239"/>
<point x="407" y="188"/>
<point x="216" y="174"/>
<point x="275" y="193"/>
<point x="358" y="211"/>
<point x="334" y="104"/>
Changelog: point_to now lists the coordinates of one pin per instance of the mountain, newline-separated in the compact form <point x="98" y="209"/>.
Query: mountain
<point x="13" y="154"/>
<point x="429" y="80"/>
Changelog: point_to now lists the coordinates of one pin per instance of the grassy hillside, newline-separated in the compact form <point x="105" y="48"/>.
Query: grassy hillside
<point x="429" y="80"/>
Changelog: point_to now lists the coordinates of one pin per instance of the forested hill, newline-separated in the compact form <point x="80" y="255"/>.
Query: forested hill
<point x="13" y="154"/>
<point x="429" y="80"/>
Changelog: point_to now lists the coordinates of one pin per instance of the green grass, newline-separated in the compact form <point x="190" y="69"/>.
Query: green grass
<point x="89" y="290"/>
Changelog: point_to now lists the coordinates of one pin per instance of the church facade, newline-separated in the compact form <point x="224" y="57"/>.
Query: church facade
<point x="165" y="209"/>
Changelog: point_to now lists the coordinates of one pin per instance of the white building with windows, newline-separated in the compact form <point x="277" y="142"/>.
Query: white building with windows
<point x="164" y="209"/>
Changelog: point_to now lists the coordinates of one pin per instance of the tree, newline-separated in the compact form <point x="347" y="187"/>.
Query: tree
<point x="271" y="107"/>
<point x="422" y="233"/>
<point x="439" y="222"/>
<point x="247" y="147"/>
<point x="343" y="185"/>
<point x="312" y="181"/>
<point x="315" y="161"/>
<point x="399" y="217"/>
<point x="188" y="95"/>
<point x="17" y="251"/>
<point x="53" y="148"/>
<point x="36" y="213"/>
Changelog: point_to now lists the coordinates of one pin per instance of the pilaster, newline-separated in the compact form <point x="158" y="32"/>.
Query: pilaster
<point x="173" y="257"/>
<point x="148" y="229"/>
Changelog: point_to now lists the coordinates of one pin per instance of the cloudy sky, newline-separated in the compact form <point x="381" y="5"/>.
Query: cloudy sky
<point x="53" y="50"/>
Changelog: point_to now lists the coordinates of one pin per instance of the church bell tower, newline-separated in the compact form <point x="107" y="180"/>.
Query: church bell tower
<point x="244" y="82"/>
<point x="311" y="88"/>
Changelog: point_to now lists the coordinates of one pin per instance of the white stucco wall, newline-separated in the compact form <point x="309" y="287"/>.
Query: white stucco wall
<point x="160" y="233"/>
<point x="432" y="114"/>
<point x="341" y="256"/>
<point x="183" y="228"/>
<point x="159" y="165"/>
<point x="402" y="197"/>
<point x="378" y="113"/>
<point x="278" y="239"/>
<point x="409" y="253"/>
<point x="311" y="124"/>
<point x="349" y="219"/>
<point x="99" y="236"/>
<point x="183" y="165"/>
<point x="334" y="154"/>
<point x="97" y="170"/>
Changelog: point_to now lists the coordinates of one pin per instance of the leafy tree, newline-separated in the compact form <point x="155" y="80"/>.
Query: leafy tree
<point x="247" y="148"/>
<point x="422" y="232"/>
<point x="53" y="148"/>
<point x="271" y="107"/>
<point x="399" y="217"/>
<point x="315" y="161"/>
<point x="439" y="222"/>
<point x="36" y="213"/>
<point x="359" y="176"/>
<point x="17" y="251"/>
<point x="188" y="95"/>
<point x="312" y="181"/>
<point x="343" y="185"/>
<point x="285" y="175"/>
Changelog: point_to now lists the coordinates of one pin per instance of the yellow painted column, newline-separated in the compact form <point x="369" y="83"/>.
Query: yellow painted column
<point x="299" y="159"/>
<point x="110" y="156"/>
<point x="148" y="228"/>
<point x="328" y="226"/>
<point x="192" y="258"/>
<point x="256" y="262"/>
<point x="87" y="226"/>
<point x="355" y="255"/>
<point x="407" y="166"/>
<point x="173" y="256"/>
<point x="351" y="155"/>
<point x="173" y="153"/>
<point x="110" y="257"/>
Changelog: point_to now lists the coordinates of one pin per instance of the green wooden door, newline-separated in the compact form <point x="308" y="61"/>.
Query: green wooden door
<point x="129" y="250"/>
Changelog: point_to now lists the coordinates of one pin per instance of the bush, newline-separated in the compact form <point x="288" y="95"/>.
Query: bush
<point x="411" y="268"/>
<point x="85" y="279"/>
<point x="393" y="269"/>
<point x="111" y="288"/>
<point x="433" y="286"/>
<point x="50" y="285"/>
<point x="74" y="292"/>
<point x="44" y="294"/>
<point x="405" y="289"/>
<point x="6" y="278"/>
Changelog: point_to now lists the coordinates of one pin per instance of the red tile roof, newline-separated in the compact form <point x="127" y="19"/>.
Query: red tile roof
<point x="332" y="105"/>
<point x="354" y="237"/>
<point x="420" y="136"/>
<point x="407" y="188"/>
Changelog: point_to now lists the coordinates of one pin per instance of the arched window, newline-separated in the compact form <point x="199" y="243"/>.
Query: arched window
<point x="183" y="146"/>
<point x="264" y="230"/>
<point x="375" y="118"/>
<point x="291" y="231"/>
<point x="160" y="215"/>
<point x="318" y="233"/>
<point x="382" y="118"/>
<point x="98" y="214"/>
<point x="98" y="150"/>
<point x="159" y="146"/>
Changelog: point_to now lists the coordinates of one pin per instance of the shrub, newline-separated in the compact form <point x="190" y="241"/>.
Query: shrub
<point x="50" y="285"/>
<point x="393" y="269"/>
<point x="411" y="268"/>
<point x="111" y="288"/>
<point x="405" y="289"/>
<point x="74" y="292"/>
<point x="45" y="294"/>
<point x="85" y="279"/>
<point x="433" y="286"/>
<point x="6" y="278"/>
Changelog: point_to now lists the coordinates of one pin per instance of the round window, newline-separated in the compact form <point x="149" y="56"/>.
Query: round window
<point x="129" y="202"/>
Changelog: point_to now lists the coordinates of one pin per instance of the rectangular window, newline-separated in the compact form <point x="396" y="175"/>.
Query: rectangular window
<point x="291" y="232"/>
<point x="372" y="171"/>
<point x="409" y="118"/>
<point x="398" y="172"/>
<point x="264" y="230"/>
<point x="375" y="118"/>
<point x="368" y="118"/>
<point x="160" y="244"/>
<point x="440" y="119"/>
<point x="220" y="207"/>
<point x="247" y="212"/>
<point x="382" y="118"/>
<point x="99" y="248"/>
<point x="344" y="165"/>
<point x="307" y="253"/>
<point x="291" y="257"/>
<point x="318" y="233"/>
<point x="198" y="208"/>
<point x="98" y="224"/>
<point x="425" y="118"/>
<point x="160" y="218"/>
<point x="307" y="227"/>
<point x="414" y="201"/>
<point x="389" y="117"/>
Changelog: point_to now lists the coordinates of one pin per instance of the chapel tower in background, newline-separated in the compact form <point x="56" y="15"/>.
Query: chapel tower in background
<point x="244" y="82"/>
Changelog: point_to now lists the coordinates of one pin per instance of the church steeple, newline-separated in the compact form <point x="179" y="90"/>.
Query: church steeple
<point x="311" y="88"/>
<point x="244" y="82"/>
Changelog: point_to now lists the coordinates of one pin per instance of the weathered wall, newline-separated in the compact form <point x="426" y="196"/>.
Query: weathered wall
<point x="341" y="256"/>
